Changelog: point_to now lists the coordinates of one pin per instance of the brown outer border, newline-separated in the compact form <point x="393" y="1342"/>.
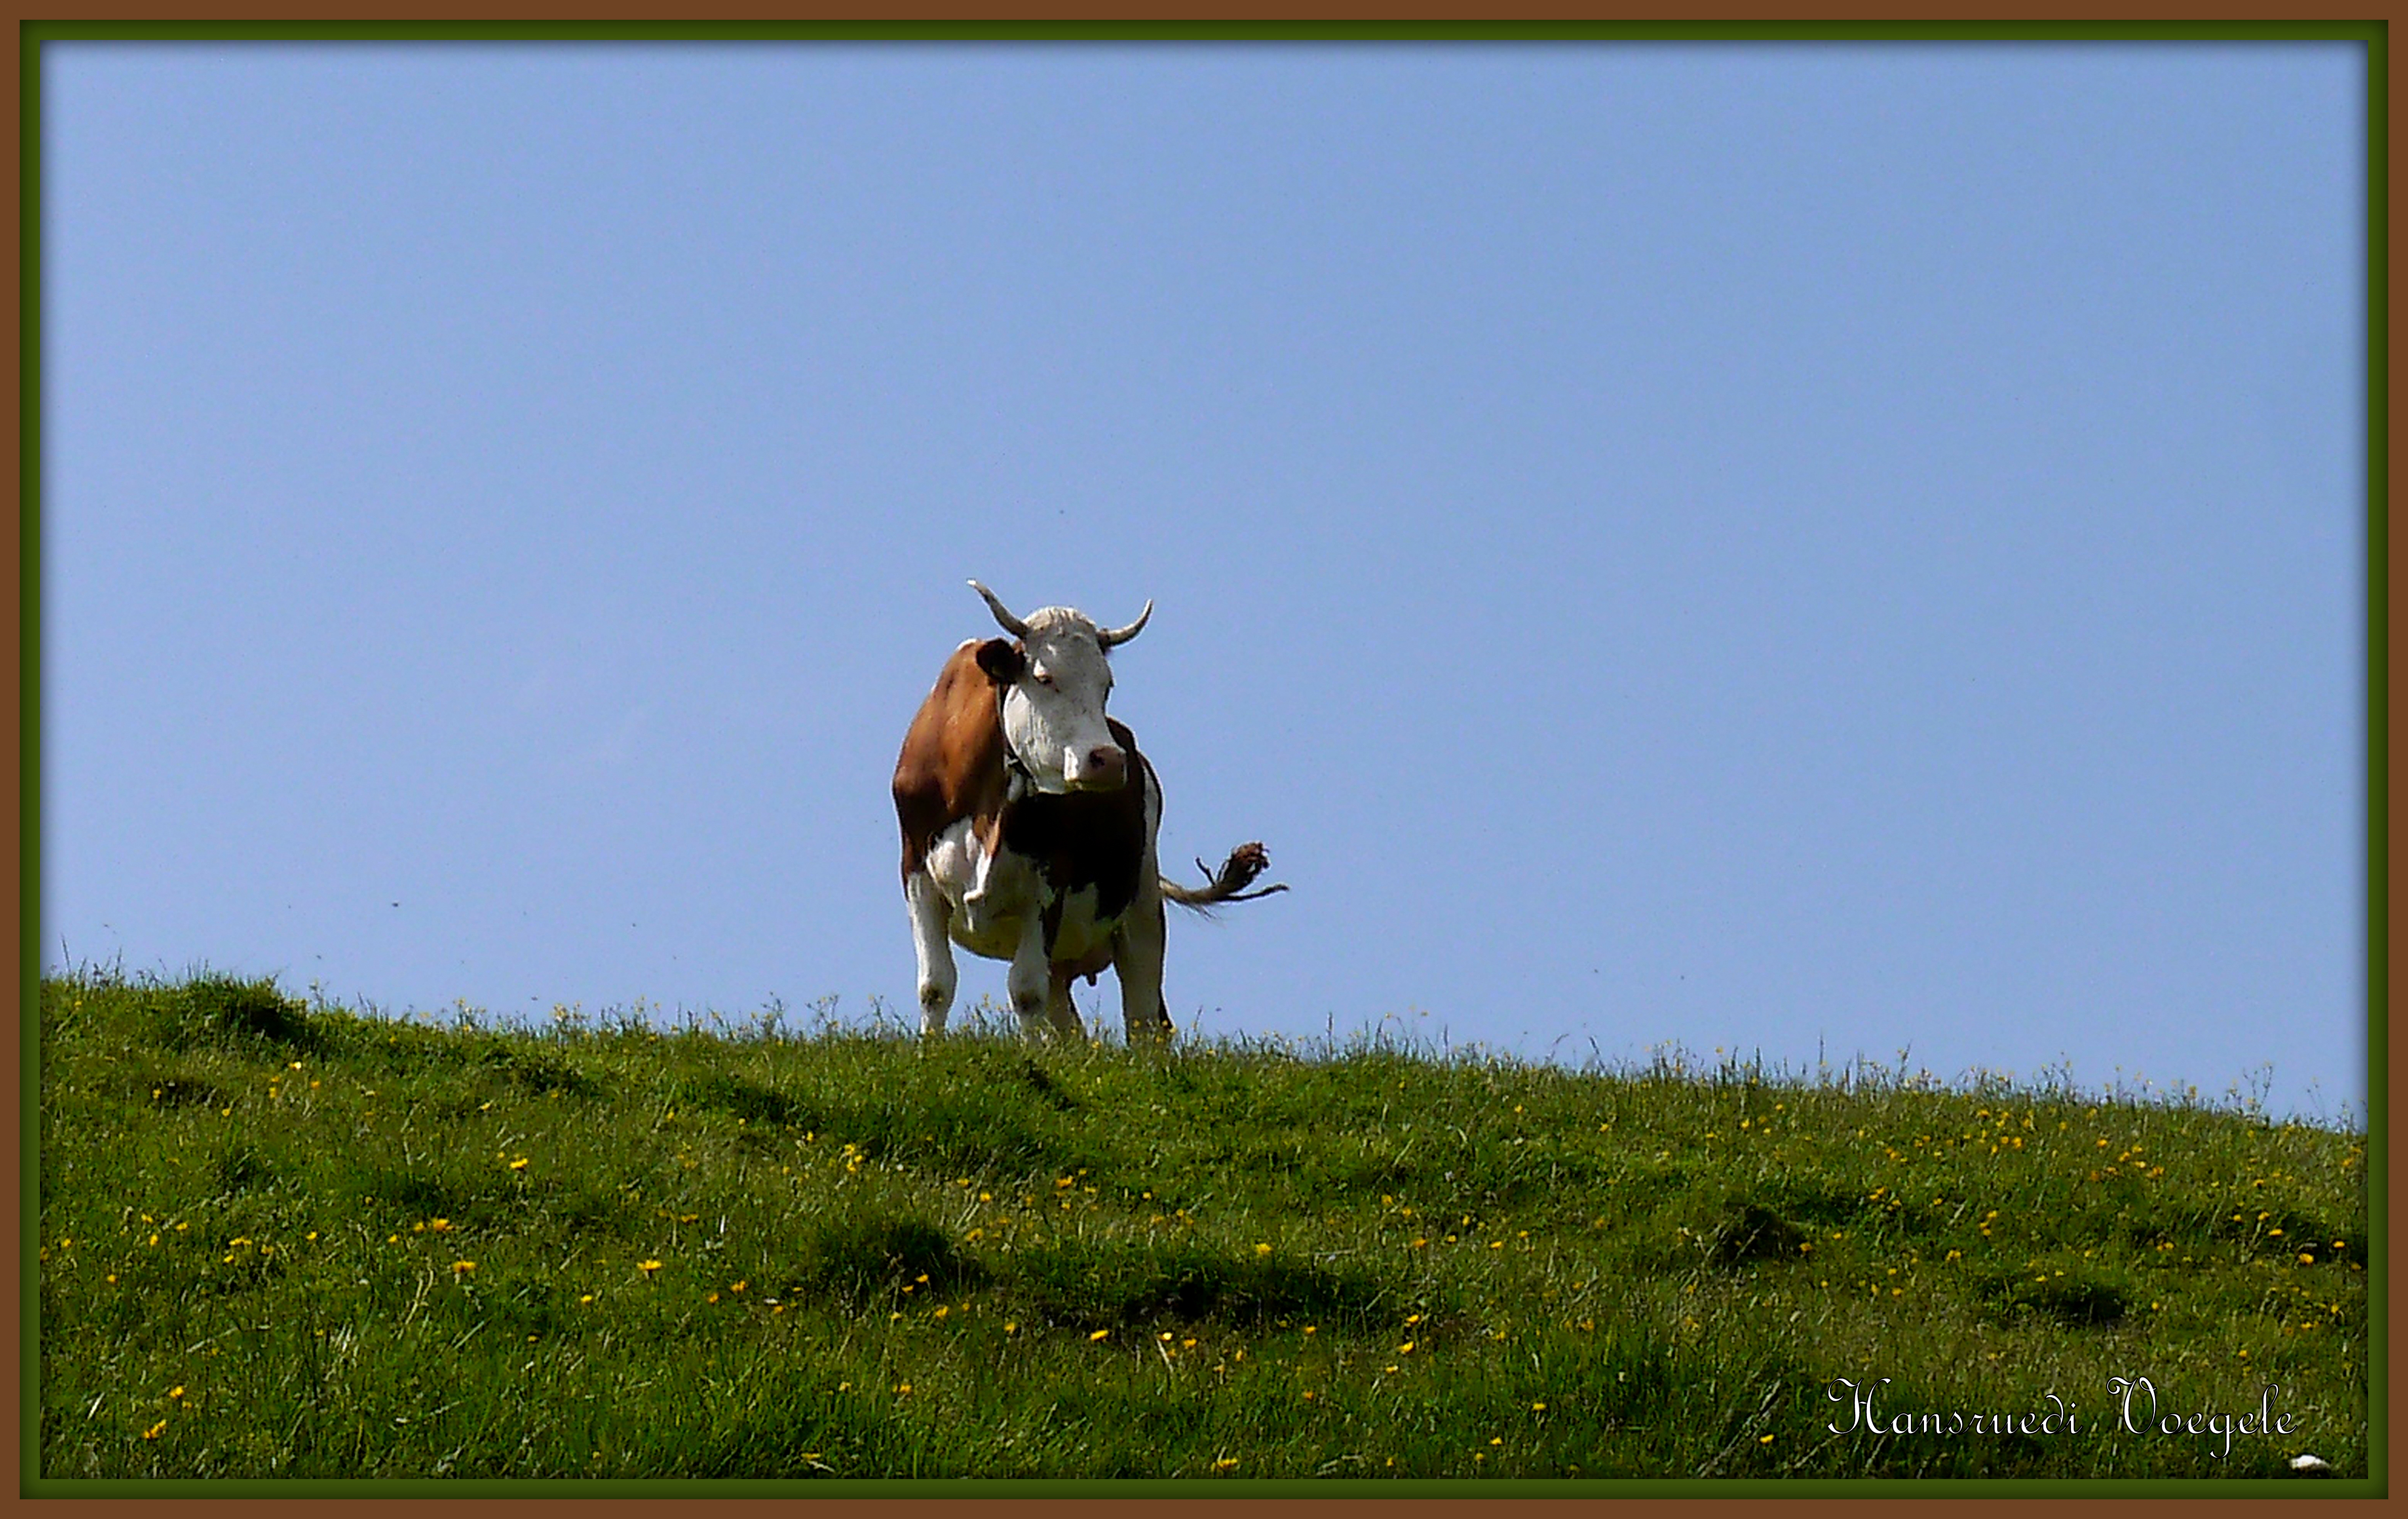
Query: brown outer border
<point x="1330" y="13"/>
<point x="16" y="632"/>
<point x="13" y="629"/>
<point x="1157" y="12"/>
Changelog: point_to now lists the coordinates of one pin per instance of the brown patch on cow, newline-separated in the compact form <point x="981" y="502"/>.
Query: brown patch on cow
<point x="951" y="765"/>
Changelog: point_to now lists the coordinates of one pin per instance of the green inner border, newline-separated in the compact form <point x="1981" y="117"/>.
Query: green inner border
<point x="2376" y="36"/>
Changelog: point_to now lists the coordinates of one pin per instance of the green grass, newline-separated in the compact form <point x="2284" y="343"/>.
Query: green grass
<point x="280" y="1240"/>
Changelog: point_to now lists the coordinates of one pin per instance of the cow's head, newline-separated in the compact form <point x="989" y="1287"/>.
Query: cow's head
<point x="1055" y="683"/>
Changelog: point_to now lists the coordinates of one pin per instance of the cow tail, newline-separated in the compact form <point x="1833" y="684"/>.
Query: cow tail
<point x="1229" y="884"/>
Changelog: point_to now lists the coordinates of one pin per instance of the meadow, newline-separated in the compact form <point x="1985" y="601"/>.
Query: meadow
<point x="279" y="1238"/>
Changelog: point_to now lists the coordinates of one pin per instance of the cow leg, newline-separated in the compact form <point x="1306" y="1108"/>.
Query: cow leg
<point x="1137" y="957"/>
<point x="1060" y="1011"/>
<point x="1030" y="976"/>
<point x="931" y="915"/>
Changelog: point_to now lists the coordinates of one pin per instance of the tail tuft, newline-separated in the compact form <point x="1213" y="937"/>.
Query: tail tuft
<point x="1230" y="884"/>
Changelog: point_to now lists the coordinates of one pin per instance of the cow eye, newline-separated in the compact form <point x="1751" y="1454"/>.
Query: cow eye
<point x="1045" y="679"/>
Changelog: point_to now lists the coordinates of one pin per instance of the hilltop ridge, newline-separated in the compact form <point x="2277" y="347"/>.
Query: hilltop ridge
<point x="279" y="1240"/>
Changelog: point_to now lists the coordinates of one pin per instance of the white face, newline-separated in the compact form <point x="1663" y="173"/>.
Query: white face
<point x="1053" y="714"/>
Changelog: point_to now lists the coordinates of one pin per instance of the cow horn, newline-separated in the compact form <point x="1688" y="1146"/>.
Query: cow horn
<point x="1011" y="625"/>
<point x="1113" y="636"/>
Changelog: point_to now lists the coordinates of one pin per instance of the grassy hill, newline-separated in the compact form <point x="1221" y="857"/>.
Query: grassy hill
<point x="279" y="1241"/>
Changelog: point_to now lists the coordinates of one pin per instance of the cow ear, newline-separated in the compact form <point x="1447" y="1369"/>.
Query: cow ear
<point x="1003" y="662"/>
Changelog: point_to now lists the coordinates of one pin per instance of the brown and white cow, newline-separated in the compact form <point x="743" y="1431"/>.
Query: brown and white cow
<point x="1028" y="824"/>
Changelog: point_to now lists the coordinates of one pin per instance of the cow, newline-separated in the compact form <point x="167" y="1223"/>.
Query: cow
<point x="1029" y="820"/>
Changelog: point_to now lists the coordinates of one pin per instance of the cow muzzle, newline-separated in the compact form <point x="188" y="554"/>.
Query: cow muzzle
<point x="1104" y="768"/>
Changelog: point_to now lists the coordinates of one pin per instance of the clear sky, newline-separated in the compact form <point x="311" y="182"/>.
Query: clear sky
<point x="1789" y="549"/>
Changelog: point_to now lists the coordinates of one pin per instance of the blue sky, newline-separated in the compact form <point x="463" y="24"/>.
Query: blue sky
<point x="1792" y="549"/>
